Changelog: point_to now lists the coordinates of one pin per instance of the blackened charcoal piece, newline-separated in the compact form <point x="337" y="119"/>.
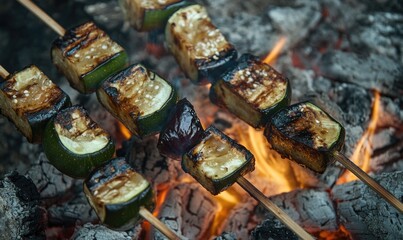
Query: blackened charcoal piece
<point x="30" y="99"/>
<point x="306" y="134"/>
<point x="21" y="217"/>
<point x="217" y="161"/>
<point x="100" y="232"/>
<point x="182" y="131"/>
<point x="116" y="192"/>
<point x="252" y="90"/>
<point x="272" y="229"/>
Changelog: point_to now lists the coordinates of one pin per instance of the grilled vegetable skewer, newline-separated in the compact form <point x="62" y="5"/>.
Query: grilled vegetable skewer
<point x="30" y="99"/>
<point x="309" y="136"/>
<point x="213" y="159"/>
<point x="120" y="196"/>
<point x="84" y="54"/>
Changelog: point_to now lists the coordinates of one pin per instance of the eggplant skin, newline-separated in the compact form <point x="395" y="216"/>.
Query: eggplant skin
<point x="192" y="160"/>
<point x="32" y="103"/>
<point x="290" y="134"/>
<point x="120" y="216"/>
<point x="251" y="90"/>
<point x="182" y="131"/>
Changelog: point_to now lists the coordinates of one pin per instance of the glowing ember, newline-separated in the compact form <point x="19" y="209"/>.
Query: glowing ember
<point x="340" y="234"/>
<point x="363" y="151"/>
<point x="275" y="52"/>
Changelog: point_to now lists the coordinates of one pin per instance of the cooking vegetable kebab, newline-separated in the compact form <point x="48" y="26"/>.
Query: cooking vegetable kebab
<point x="250" y="89"/>
<point x="84" y="54"/>
<point x="213" y="159"/>
<point x="308" y="135"/>
<point x="74" y="136"/>
<point x="29" y="99"/>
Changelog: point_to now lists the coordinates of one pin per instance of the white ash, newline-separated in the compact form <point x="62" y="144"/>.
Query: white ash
<point x="100" y="232"/>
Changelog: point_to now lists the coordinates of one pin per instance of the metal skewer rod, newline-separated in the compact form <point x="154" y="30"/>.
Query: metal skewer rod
<point x="347" y="163"/>
<point x="3" y="72"/>
<point x="269" y="205"/>
<point x="158" y="224"/>
<point x="43" y="16"/>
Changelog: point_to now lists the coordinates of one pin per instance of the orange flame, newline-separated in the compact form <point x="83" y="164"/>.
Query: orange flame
<point x="275" y="52"/>
<point x="341" y="234"/>
<point x="363" y="151"/>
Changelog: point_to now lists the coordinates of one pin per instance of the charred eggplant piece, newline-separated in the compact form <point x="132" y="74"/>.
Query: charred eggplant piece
<point x="306" y="134"/>
<point x="116" y="192"/>
<point x="75" y="144"/>
<point x="252" y="90"/>
<point x="30" y="99"/>
<point x="217" y="161"/>
<point x="86" y="56"/>
<point x="139" y="98"/>
<point x="183" y="131"/>
<point x="199" y="47"/>
<point x="147" y="15"/>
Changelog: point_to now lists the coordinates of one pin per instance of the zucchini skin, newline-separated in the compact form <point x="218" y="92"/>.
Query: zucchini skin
<point x="217" y="54"/>
<point x="223" y="92"/>
<point x="35" y="117"/>
<point x="68" y="52"/>
<point x="141" y="125"/>
<point x="93" y="79"/>
<point x="299" y="145"/>
<point x="182" y="131"/>
<point x="148" y="19"/>
<point x="191" y="159"/>
<point x="70" y="163"/>
<point x="120" y="216"/>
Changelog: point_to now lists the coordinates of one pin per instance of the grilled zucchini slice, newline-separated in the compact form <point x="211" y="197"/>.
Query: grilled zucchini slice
<point x="116" y="192"/>
<point x="75" y="144"/>
<point x="252" y="90"/>
<point x="306" y="134"/>
<point x="147" y="15"/>
<point x="139" y="98"/>
<point x="182" y="131"/>
<point x="30" y="99"/>
<point x="199" y="47"/>
<point x="217" y="161"/>
<point x="86" y="56"/>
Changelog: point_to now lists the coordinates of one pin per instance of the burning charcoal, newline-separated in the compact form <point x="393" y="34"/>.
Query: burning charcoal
<point x="75" y="144"/>
<point x="75" y="209"/>
<point x="144" y="156"/>
<point x="198" y="46"/>
<point x="370" y="72"/>
<point x="364" y="214"/>
<point x="188" y="209"/>
<point x="379" y="32"/>
<point x="217" y="161"/>
<point x="306" y="134"/>
<point x="313" y="209"/>
<point x="117" y="192"/>
<point x="21" y="215"/>
<point x="49" y="181"/>
<point x="100" y="232"/>
<point x="272" y="229"/>
<point x="139" y="98"/>
<point x="182" y="131"/>
<point x="86" y="56"/>
<point x="226" y="236"/>
<point x="29" y="99"/>
<point x="252" y="90"/>
<point x="150" y="14"/>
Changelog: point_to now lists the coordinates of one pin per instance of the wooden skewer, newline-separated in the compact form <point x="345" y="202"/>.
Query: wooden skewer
<point x="158" y="224"/>
<point x="347" y="163"/>
<point x="43" y="16"/>
<point x="3" y="72"/>
<point x="269" y="205"/>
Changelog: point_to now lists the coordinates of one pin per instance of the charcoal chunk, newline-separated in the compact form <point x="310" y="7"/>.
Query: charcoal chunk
<point x="272" y="229"/>
<point x="21" y="214"/>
